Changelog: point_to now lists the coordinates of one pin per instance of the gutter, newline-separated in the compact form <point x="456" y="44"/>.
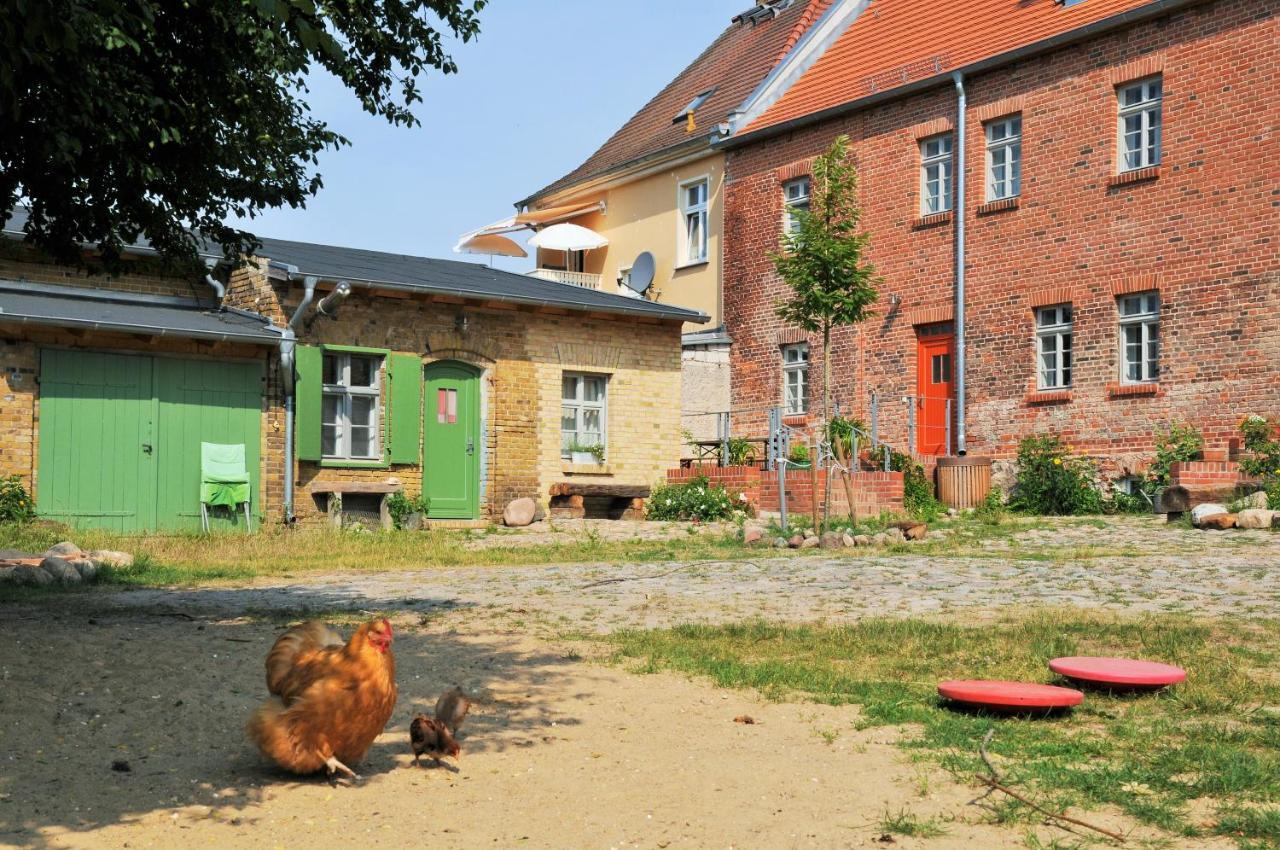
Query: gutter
<point x="1133" y="16"/>
<point x="961" y="207"/>
<point x="671" y="156"/>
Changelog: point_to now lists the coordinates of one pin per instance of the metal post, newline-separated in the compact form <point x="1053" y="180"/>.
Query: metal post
<point x="722" y="425"/>
<point x="888" y="463"/>
<point x="948" y="428"/>
<point x="815" y="458"/>
<point x="875" y="419"/>
<point x="911" y="425"/>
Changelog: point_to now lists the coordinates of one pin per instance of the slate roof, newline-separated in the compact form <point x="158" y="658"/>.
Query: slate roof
<point x="895" y="43"/>
<point x="734" y="65"/>
<point x="450" y="277"/>
<point x="98" y="309"/>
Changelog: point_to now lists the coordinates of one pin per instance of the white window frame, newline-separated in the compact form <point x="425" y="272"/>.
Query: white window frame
<point x="345" y="393"/>
<point x="802" y="199"/>
<point x="1004" y="152"/>
<point x="688" y="213"/>
<point x="934" y="202"/>
<point x="1147" y="113"/>
<point x="1140" y="318"/>
<point x="579" y="403"/>
<point x="1054" y="338"/>
<point x="795" y="372"/>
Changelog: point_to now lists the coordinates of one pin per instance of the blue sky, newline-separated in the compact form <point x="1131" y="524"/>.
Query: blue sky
<point x="544" y="86"/>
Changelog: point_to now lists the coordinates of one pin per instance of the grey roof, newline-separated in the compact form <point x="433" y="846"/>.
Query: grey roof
<point x="450" y="277"/>
<point x="23" y="302"/>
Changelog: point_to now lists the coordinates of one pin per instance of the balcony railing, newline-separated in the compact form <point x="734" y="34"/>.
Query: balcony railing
<point x="586" y="281"/>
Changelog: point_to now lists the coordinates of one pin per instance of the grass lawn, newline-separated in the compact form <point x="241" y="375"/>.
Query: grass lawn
<point x="1200" y="759"/>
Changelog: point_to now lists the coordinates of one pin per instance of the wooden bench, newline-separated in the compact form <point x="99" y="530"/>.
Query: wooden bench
<point x="342" y="489"/>
<point x="626" y="501"/>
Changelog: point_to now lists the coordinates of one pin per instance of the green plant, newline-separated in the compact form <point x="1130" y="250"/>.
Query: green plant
<point x="991" y="510"/>
<point x="15" y="501"/>
<point x="741" y="451"/>
<point x="699" y="500"/>
<point x="1053" y="483"/>
<point x="799" y="453"/>
<point x="596" y="450"/>
<point x="1181" y="443"/>
<point x="917" y="491"/>
<point x="1263" y="448"/>
<point x="401" y="506"/>
<point x="1120" y="502"/>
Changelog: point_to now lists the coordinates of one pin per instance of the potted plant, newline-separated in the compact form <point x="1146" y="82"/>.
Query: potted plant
<point x="799" y="456"/>
<point x="586" y="454"/>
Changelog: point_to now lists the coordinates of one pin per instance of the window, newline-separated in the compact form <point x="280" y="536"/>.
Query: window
<point x="940" y="365"/>
<point x="694" y="106"/>
<point x="582" y="411"/>
<point x="795" y="379"/>
<point x="1140" y="338"/>
<point x="1053" y="347"/>
<point x="693" y="206"/>
<point x="795" y="196"/>
<point x="349" y="411"/>
<point x="1140" y="124"/>
<point x="1004" y="158"/>
<point x="935" y="175"/>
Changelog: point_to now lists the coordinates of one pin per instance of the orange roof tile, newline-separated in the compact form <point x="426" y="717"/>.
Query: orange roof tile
<point x="893" y="43"/>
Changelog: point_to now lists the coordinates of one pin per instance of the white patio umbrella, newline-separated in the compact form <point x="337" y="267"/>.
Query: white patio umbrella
<point x="568" y="237"/>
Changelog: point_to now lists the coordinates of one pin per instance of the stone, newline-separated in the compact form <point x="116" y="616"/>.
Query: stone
<point x="1218" y="522"/>
<point x="1255" y="518"/>
<point x="831" y="540"/>
<point x="796" y="541"/>
<point x="87" y="568"/>
<point x="861" y="540"/>
<point x="31" y="576"/>
<point x="6" y="574"/>
<point x="848" y="540"/>
<point x="1202" y="512"/>
<point x="781" y="543"/>
<point x="1275" y="520"/>
<point x="66" y="549"/>
<point x="752" y="535"/>
<point x="519" y="513"/>
<point x="915" y="532"/>
<point x="61" y="570"/>
<point x="413" y="522"/>
<point x="1257" y="500"/>
<point x="114" y="559"/>
<point x="811" y="543"/>
<point x="16" y="555"/>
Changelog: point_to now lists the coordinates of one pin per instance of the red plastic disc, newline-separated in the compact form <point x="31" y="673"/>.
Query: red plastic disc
<point x="1019" y="696"/>
<point x="1121" y="672"/>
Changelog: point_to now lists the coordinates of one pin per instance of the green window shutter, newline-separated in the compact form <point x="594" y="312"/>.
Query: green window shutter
<point x="308" y="393"/>
<point x="406" y="407"/>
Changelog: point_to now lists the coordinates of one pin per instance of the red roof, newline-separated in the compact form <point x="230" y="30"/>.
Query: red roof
<point x="896" y="42"/>
<point x="733" y="66"/>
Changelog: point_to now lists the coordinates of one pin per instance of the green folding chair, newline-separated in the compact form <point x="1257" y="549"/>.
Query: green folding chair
<point x="224" y="480"/>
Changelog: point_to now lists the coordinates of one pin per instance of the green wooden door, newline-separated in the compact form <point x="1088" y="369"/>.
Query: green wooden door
<point x="120" y="436"/>
<point x="451" y="441"/>
<point x="97" y="440"/>
<point x="203" y="401"/>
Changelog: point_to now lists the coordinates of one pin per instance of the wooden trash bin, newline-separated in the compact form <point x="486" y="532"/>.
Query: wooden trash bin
<point x="963" y="482"/>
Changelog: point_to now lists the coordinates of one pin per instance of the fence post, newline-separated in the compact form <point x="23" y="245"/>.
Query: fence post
<point x="911" y="425"/>
<point x="875" y="419"/>
<point x="814" y="461"/>
<point x="722" y="425"/>
<point x="948" y="427"/>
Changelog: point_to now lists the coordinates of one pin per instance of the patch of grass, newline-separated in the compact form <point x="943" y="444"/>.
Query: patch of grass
<point x="910" y="825"/>
<point x="1215" y="737"/>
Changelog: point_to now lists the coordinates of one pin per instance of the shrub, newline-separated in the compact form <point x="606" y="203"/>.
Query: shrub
<point x="697" y="500"/>
<point x="799" y="453"/>
<point x="991" y="510"/>
<point x="1052" y="483"/>
<point x="1180" y="444"/>
<point x="741" y="452"/>
<point x="1121" y="502"/>
<point x="1264" y="450"/>
<point x="15" y="501"/>
<point x="917" y="490"/>
<point x="401" y="506"/>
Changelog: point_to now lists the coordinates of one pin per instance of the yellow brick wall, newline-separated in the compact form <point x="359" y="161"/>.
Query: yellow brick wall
<point x="134" y="280"/>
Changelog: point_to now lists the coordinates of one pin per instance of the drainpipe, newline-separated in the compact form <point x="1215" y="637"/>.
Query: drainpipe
<point x="961" y="447"/>
<point x="288" y="351"/>
<point x="218" y="287"/>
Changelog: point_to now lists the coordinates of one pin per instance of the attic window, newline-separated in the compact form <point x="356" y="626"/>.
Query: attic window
<point x="694" y="106"/>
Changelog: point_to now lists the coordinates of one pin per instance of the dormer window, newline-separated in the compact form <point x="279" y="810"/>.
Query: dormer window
<point x="694" y="106"/>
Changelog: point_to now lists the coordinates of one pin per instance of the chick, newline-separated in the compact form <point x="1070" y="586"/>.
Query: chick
<point x="452" y="708"/>
<point x="432" y="738"/>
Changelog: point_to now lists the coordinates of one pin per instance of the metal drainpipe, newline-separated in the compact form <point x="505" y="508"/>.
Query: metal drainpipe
<point x="961" y="446"/>
<point x="217" y="287"/>
<point x="288" y="348"/>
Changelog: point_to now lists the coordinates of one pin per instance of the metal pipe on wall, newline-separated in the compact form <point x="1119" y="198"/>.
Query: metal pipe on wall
<point x="961" y="108"/>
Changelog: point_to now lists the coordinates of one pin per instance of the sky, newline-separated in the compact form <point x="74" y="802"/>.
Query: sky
<point x="545" y="85"/>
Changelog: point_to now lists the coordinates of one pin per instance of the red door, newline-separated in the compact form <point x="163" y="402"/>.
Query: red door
<point x="935" y="391"/>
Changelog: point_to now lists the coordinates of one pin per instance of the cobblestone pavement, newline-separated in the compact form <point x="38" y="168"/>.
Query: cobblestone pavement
<point x="1123" y="564"/>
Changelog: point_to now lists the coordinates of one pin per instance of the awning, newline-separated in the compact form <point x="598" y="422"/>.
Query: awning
<point x="568" y="237"/>
<point x="492" y="243"/>
<point x="96" y="309"/>
<point x="531" y="220"/>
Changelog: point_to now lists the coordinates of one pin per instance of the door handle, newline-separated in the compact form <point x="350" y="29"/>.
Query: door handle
<point x="147" y="448"/>
<point x="471" y="446"/>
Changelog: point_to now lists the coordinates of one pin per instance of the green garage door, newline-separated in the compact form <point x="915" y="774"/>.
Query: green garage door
<point x="120" y="436"/>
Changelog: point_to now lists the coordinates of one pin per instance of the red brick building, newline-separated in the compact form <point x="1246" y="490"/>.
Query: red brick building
<point x="1121" y="174"/>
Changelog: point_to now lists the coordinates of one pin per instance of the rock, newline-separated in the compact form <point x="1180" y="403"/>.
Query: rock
<point x="6" y="574"/>
<point x="32" y="576"/>
<point x="61" y="570"/>
<point x="16" y="555"/>
<point x="65" y="549"/>
<point x="413" y="522"/>
<point x="796" y="541"/>
<point x="1218" y="522"/>
<point x="811" y="543"/>
<point x="952" y="513"/>
<point x="916" y="531"/>
<point x="831" y="540"/>
<point x="861" y="540"/>
<point x="848" y="541"/>
<point x="87" y="568"/>
<point x="519" y="513"/>
<point x="1256" y="500"/>
<point x="1202" y="512"/>
<point x="752" y="535"/>
<point x="1255" y="518"/>
<point x="1275" y="519"/>
<point x="781" y="543"/>
<point x="114" y="559"/>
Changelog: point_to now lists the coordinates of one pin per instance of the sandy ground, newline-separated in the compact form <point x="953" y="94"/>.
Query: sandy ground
<point x="561" y="753"/>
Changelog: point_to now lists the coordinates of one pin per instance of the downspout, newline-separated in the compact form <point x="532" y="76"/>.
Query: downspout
<point x="218" y="287"/>
<point x="288" y="359"/>
<point x="961" y="105"/>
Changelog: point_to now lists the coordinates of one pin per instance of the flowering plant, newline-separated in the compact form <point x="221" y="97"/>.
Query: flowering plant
<point x="697" y="500"/>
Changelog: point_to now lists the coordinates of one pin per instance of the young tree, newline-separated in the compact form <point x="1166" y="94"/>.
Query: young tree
<point x="128" y="118"/>
<point x="822" y="261"/>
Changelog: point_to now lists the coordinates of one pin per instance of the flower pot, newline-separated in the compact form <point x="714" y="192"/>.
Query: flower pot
<point x="583" y="459"/>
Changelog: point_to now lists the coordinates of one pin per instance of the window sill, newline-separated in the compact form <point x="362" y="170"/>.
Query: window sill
<point x="1118" y="390"/>
<point x="794" y="419"/>
<point x="694" y="265"/>
<point x="585" y="468"/>
<point x="339" y="463"/>
<point x="1049" y="397"/>
<point x="932" y="220"/>
<point x="1138" y="175"/>
<point x="999" y="206"/>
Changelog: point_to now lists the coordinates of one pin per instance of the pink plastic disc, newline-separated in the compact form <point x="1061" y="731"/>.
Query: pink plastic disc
<point x="1121" y="672"/>
<point x="1019" y="696"/>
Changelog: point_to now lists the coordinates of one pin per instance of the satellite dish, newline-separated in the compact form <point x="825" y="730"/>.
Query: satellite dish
<point x="642" y="271"/>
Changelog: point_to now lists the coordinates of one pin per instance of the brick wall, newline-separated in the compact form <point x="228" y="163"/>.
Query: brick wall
<point x="1201" y="232"/>
<point x="874" y="492"/>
